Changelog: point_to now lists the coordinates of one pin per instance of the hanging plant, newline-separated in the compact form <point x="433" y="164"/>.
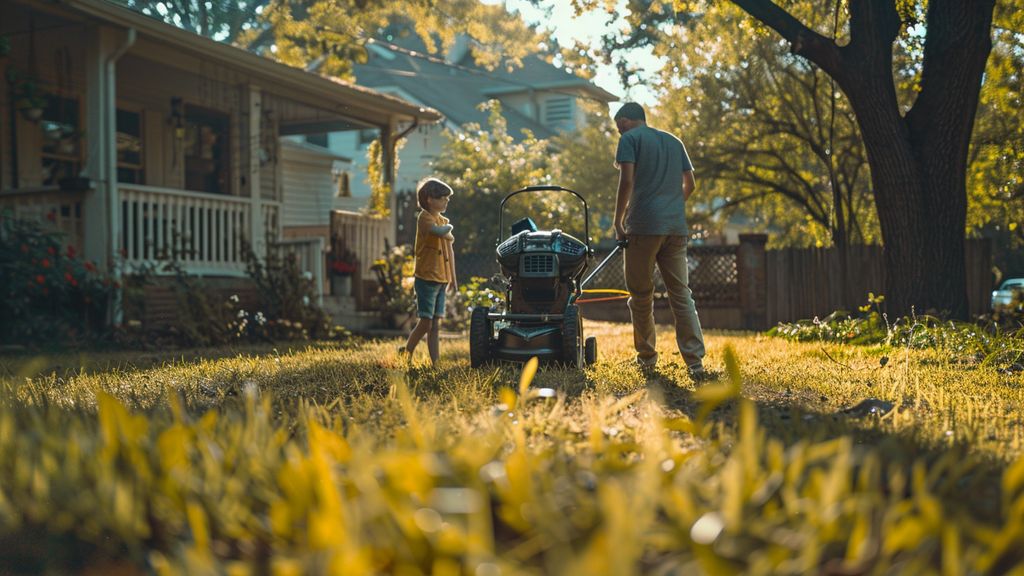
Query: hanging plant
<point x="5" y="46"/>
<point x="27" y="98"/>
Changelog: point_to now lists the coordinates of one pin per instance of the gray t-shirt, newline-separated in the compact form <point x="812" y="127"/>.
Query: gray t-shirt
<point x="657" y="205"/>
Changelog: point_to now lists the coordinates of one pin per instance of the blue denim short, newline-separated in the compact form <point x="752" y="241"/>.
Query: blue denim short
<point x="429" y="298"/>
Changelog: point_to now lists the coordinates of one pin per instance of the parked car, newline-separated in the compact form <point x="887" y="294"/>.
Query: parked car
<point x="1009" y="295"/>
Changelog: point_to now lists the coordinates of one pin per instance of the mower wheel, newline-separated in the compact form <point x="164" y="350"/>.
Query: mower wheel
<point x="479" y="337"/>
<point x="590" y="350"/>
<point x="572" y="337"/>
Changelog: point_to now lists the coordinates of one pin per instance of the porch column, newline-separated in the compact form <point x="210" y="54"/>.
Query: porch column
<point x="252" y="108"/>
<point x="101" y="205"/>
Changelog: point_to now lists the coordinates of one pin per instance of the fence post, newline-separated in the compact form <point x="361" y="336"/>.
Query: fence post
<point x="752" y="276"/>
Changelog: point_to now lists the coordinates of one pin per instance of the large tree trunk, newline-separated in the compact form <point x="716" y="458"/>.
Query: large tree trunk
<point x="918" y="161"/>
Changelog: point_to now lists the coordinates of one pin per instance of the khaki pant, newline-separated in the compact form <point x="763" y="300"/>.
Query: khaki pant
<point x="669" y="253"/>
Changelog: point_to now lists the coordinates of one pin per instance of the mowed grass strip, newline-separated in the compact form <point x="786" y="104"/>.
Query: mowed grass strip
<point x="343" y="459"/>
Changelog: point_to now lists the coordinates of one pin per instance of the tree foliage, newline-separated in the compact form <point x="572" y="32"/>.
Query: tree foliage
<point x="330" y="35"/>
<point x="996" y="176"/>
<point x="482" y="166"/>
<point x="916" y="122"/>
<point x="584" y="161"/>
<point x="771" y="137"/>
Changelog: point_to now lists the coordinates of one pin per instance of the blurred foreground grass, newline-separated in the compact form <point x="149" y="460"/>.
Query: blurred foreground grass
<point x="802" y="458"/>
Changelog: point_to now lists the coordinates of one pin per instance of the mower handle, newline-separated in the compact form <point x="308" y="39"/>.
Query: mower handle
<point x="547" y="188"/>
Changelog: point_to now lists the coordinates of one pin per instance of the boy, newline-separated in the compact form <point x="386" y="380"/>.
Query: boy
<point x="435" y="265"/>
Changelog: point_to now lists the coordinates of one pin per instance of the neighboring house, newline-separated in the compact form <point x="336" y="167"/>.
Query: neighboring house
<point x="153" y="140"/>
<point x="538" y="97"/>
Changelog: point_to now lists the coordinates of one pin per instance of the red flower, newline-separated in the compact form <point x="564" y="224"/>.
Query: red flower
<point x="71" y="252"/>
<point x="74" y="282"/>
<point x="51" y="215"/>
<point x="45" y="263"/>
<point x="69" y="277"/>
<point x="89" y="266"/>
<point x="24" y="248"/>
<point x="40" y="279"/>
<point x="51" y="250"/>
<point x="342" y="267"/>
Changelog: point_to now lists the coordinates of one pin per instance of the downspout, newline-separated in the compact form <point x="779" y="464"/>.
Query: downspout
<point x="110" y="169"/>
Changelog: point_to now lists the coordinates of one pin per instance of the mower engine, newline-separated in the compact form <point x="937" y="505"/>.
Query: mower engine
<point x="544" y="268"/>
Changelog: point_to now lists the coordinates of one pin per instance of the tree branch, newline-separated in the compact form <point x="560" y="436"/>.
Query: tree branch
<point x="802" y="40"/>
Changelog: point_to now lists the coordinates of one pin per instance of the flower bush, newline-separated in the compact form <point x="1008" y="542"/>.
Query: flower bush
<point x="478" y="291"/>
<point x="49" y="294"/>
<point x="395" y="292"/>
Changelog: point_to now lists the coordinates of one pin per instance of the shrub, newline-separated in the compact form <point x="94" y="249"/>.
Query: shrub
<point x="48" y="293"/>
<point x="394" y="270"/>
<point x="989" y="342"/>
<point x="478" y="291"/>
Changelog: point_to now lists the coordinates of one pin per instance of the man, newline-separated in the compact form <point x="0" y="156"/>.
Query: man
<point x="655" y="180"/>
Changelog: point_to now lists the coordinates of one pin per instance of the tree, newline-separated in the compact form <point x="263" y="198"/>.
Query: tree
<point x="917" y="149"/>
<point x="996" y="174"/>
<point x="482" y="166"/>
<point x="584" y="161"/>
<point x="329" y="35"/>
<point x="223" y="21"/>
<point x="770" y="137"/>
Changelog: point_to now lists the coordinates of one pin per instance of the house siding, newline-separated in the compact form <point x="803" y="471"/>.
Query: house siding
<point x="308" y="188"/>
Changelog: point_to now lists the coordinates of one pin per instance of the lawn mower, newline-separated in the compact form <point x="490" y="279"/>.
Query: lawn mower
<point x="541" y="317"/>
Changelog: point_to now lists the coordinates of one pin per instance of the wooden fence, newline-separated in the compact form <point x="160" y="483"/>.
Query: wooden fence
<point x="806" y="283"/>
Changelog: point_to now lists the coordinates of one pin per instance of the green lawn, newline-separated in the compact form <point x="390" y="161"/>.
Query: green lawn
<point x="341" y="459"/>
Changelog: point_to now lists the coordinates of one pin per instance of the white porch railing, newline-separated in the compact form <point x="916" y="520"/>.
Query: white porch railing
<point x="363" y="235"/>
<point x="207" y="233"/>
<point x="310" y="253"/>
<point x="58" y="210"/>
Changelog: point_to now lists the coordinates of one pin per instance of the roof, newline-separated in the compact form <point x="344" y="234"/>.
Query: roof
<point x="457" y="89"/>
<point x="342" y="97"/>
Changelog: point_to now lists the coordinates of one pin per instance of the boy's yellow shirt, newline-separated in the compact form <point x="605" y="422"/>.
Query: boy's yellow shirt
<point x="430" y="257"/>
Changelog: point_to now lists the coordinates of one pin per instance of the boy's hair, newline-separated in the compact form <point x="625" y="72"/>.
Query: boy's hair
<point x="431" y="188"/>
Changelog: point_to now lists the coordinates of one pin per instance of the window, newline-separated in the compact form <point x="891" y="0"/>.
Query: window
<point x="129" y="147"/>
<point x="558" y="112"/>
<point x="206" y="150"/>
<point x="62" y="150"/>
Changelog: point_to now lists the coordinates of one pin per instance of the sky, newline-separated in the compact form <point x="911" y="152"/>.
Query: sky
<point x="566" y="27"/>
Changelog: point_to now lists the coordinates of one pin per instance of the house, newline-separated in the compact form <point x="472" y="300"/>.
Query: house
<point x="141" y="140"/>
<point x="538" y="97"/>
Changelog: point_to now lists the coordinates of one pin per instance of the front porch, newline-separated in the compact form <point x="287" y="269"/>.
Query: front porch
<point x="155" y="144"/>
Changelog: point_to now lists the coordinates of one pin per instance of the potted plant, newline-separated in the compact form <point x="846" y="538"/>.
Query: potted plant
<point x="342" y="265"/>
<point x="69" y="139"/>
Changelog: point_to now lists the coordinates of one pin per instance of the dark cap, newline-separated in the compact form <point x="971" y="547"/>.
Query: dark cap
<point x="631" y="111"/>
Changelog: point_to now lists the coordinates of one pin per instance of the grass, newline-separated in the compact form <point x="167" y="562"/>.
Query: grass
<point x="342" y="459"/>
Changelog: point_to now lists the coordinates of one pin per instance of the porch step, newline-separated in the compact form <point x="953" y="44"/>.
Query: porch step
<point x="343" y="311"/>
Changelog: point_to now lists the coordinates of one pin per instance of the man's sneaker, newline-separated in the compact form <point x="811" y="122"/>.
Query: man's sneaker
<point x="403" y="353"/>
<point x="646" y="362"/>
<point x="699" y="374"/>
